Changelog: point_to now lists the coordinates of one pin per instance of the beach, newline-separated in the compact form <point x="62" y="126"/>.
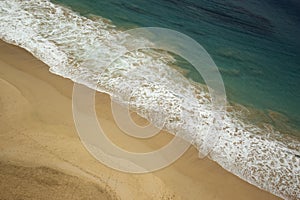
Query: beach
<point x="42" y="156"/>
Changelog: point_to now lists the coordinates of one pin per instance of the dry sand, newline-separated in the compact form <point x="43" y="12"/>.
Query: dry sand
<point x="42" y="157"/>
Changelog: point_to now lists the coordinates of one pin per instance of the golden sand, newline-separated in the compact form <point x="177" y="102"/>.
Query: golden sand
<point x="42" y="157"/>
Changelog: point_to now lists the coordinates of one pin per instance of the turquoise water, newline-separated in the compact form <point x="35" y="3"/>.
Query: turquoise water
<point x="254" y="43"/>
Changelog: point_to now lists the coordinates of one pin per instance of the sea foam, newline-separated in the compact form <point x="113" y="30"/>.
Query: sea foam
<point x="71" y="45"/>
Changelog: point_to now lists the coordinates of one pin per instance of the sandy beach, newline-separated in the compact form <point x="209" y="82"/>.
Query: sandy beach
<point x="42" y="157"/>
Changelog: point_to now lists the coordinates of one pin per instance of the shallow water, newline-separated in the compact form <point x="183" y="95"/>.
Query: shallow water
<point x="254" y="43"/>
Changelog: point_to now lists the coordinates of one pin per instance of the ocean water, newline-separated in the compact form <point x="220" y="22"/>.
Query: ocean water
<point x="254" y="44"/>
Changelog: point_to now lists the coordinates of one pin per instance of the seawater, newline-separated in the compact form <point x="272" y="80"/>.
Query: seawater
<point x="70" y="43"/>
<point x="254" y="43"/>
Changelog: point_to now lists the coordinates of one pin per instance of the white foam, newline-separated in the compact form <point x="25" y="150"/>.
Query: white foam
<point x="63" y="40"/>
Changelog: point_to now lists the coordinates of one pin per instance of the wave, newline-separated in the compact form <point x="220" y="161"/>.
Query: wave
<point x="63" y="40"/>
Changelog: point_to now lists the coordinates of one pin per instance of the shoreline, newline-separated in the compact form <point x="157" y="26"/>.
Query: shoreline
<point x="38" y="130"/>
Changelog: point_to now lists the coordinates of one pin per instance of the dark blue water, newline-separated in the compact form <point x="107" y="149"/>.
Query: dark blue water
<point x="255" y="44"/>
